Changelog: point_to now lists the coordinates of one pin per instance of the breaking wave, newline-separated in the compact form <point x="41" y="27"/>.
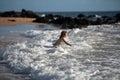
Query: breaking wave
<point x="95" y="54"/>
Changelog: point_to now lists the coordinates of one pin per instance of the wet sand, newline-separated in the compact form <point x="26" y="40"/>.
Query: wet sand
<point x="12" y="21"/>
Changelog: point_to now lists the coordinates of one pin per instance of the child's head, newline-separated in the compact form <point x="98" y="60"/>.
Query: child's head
<point x="63" y="34"/>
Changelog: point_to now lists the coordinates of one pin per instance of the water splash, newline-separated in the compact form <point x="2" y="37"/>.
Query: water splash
<point x="94" y="55"/>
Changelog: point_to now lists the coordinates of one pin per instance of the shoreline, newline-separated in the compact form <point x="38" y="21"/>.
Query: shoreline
<point x="80" y="21"/>
<point x="5" y="72"/>
<point x="13" y="21"/>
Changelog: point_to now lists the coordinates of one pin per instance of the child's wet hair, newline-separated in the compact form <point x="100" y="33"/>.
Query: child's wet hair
<point x="63" y="34"/>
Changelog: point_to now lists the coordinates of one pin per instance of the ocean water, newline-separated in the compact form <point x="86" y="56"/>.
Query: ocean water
<point x="22" y="28"/>
<point x="95" y="54"/>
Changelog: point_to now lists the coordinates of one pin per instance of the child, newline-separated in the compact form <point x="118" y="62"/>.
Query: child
<point x="62" y="39"/>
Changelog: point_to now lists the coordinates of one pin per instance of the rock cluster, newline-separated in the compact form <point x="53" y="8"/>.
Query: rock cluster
<point x="77" y="22"/>
<point x="66" y="22"/>
<point x="23" y="13"/>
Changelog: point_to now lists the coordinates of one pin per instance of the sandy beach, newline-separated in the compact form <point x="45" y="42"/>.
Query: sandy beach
<point x="12" y="21"/>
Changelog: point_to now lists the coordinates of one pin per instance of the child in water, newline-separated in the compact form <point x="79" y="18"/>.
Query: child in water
<point x="62" y="39"/>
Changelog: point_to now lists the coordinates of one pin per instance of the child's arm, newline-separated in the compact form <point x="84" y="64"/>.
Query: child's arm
<point x="67" y="43"/>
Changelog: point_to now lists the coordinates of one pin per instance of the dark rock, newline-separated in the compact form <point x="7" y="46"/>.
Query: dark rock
<point x="28" y="14"/>
<point x="81" y="16"/>
<point x="90" y="16"/>
<point x="80" y="21"/>
<point x="23" y="13"/>
<point x="108" y="20"/>
<point x="9" y="14"/>
<point x="41" y="20"/>
<point x="58" y="20"/>
<point x="117" y="16"/>
<point x="49" y="16"/>
<point x="65" y="22"/>
<point x="0" y="14"/>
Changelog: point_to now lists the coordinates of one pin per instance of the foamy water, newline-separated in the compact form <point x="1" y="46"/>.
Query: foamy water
<point x="95" y="54"/>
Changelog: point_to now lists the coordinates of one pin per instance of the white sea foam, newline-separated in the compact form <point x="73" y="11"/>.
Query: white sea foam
<point x="87" y="59"/>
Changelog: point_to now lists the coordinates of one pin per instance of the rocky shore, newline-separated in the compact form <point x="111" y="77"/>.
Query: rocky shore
<point x="24" y="14"/>
<point x="77" y="22"/>
<point x="66" y="22"/>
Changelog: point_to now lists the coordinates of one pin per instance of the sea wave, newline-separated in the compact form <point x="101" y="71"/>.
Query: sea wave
<point x="93" y="56"/>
